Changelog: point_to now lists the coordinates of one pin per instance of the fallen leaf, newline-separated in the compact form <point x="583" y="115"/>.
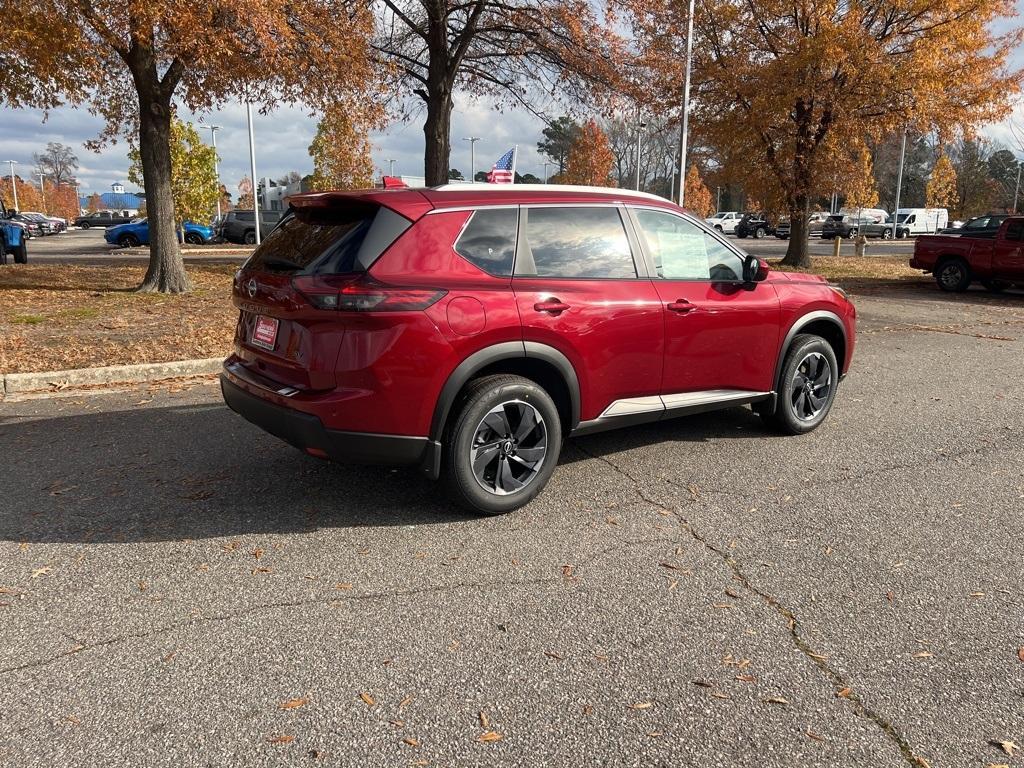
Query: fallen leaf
<point x="998" y="765"/>
<point x="818" y="656"/>
<point x="293" y="703"/>
<point x="411" y="741"/>
<point x="719" y="695"/>
<point x="258" y="553"/>
<point x="41" y="571"/>
<point x="671" y="566"/>
<point x="890" y="596"/>
<point x="845" y="692"/>
<point x="816" y="736"/>
<point x="261" y="569"/>
<point x="673" y="584"/>
<point x="745" y="678"/>
<point x="977" y="594"/>
<point x="485" y="723"/>
<point x="397" y="723"/>
<point x="654" y="734"/>
<point x="587" y="709"/>
<point x="405" y="702"/>
<point x="1020" y="653"/>
<point x="775" y="700"/>
<point x="722" y="606"/>
<point x="923" y="655"/>
<point x="281" y="739"/>
<point x="170" y="656"/>
<point x="922" y="762"/>
<point x="553" y="655"/>
<point x="1008" y="747"/>
<point x="489" y="736"/>
<point x="641" y="705"/>
<point x="732" y="594"/>
<point x="73" y="719"/>
<point x="367" y="699"/>
<point x="701" y="683"/>
<point x="344" y="585"/>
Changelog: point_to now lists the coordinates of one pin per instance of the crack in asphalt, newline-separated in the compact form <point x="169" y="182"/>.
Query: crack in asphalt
<point x="384" y="594"/>
<point x="792" y="622"/>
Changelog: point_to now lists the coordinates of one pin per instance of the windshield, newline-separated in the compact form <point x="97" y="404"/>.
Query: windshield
<point x="719" y="216"/>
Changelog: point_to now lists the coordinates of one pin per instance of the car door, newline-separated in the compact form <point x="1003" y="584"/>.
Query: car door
<point x="581" y="289"/>
<point x="720" y="333"/>
<point x="1008" y="253"/>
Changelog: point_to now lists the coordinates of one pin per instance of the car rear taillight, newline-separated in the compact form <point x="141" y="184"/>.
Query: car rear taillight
<point x="357" y="293"/>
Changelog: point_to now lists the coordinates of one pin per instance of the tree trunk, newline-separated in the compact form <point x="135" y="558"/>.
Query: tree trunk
<point x="437" y="131"/>
<point x="166" y="273"/>
<point x="797" y="252"/>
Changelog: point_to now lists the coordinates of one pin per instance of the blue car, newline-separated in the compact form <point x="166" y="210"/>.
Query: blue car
<point x="137" y="233"/>
<point x="12" y="238"/>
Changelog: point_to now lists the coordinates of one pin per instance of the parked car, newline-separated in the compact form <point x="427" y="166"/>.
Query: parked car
<point x="33" y="228"/>
<point x="886" y="229"/>
<point x="46" y="226"/>
<point x="980" y="226"/>
<point x="54" y="223"/>
<point x="103" y="219"/>
<point x="923" y="221"/>
<point x="958" y="261"/>
<point x="13" y="237"/>
<point x="137" y="233"/>
<point x="725" y="221"/>
<point x="468" y="330"/>
<point x="843" y="225"/>
<point x="240" y="226"/>
<point x="814" y="224"/>
<point x="754" y="225"/>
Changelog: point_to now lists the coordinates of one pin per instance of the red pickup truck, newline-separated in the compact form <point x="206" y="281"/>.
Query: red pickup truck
<point x="958" y="260"/>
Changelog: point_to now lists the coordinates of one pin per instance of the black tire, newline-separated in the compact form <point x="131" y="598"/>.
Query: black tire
<point x="793" y="414"/>
<point x="250" y="237"/>
<point x="20" y="254"/>
<point x="759" y="233"/>
<point x="719" y="227"/>
<point x="512" y="396"/>
<point x="84" y="225"/>
<point x="953" y="275"/>
<point x="887" y="234"/>
<point x="853" y="233"/>
<point x="741" y="235"/>
<point x="128" y="240"/>
<point x="193" y="238"/>
<point x="994" y="286"/>
<point x="902" y="234"/>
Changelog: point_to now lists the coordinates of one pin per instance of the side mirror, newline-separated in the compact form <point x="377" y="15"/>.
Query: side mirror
<point x="754" y="270"/>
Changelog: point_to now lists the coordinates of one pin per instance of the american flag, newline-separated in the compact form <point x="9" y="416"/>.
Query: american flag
<point x="503" y="171"/>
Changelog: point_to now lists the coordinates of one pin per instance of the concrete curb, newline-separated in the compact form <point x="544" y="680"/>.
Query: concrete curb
<point x="13" y="383"/>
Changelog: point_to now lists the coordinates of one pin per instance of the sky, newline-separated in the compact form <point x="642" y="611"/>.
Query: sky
<point x="284" y="134"/>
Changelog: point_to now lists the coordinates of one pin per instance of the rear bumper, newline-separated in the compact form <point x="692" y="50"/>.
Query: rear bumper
<point x="306" y="432"/>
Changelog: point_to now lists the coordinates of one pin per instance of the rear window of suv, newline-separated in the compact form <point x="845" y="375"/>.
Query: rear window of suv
<point x="489" y="240"/>
<point x="329" y="241"/>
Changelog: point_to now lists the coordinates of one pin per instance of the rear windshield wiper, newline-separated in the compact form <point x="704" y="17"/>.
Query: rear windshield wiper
<point x="278" y="263"/>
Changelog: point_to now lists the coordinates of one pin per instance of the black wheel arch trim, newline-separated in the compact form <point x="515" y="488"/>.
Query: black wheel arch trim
<point x="802" y="322"/>
<point x="508" y="350"/>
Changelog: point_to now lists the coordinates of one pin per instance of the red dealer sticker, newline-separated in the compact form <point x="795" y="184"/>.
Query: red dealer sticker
<point x="265" y="333"/>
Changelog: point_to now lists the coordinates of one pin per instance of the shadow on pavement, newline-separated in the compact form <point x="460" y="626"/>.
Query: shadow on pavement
<point x="192" y="472"/>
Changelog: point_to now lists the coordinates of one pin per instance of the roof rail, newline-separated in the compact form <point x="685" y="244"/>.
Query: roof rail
<point x="547" y="188"/>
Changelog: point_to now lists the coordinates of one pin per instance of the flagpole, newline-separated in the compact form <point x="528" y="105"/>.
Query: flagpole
<point x="515" y="159"/>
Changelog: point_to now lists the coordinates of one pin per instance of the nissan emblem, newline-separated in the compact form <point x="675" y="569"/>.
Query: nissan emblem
<point x="251" y="288"/>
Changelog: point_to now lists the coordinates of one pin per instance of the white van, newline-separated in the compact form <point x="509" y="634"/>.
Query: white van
<point x="923" y="221"/>
<point x="725" y="221"/>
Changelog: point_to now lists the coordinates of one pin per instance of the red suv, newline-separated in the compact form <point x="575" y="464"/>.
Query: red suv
<point x="467" y="330"/>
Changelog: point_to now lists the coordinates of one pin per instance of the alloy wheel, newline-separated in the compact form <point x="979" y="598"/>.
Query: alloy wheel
<point x="509" y="447"/>
<point x="812" y="386"/>
<point x="951" y="275"/>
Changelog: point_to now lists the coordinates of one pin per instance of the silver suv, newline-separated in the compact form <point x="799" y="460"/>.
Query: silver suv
<point x="240" y="226"/>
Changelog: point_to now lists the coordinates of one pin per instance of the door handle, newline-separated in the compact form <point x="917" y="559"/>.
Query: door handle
<point x="554" y="306"/>
<point x="682" y="306"/>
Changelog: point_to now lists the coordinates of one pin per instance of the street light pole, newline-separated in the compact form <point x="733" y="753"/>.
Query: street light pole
<point x="14" y="185"/>
<point x="639" y="138"/>
<point x="686" y="107"/>
<point x="546" y="172"/>
<point x="899" y="186"/>
<point x="42" y="191"/>
<point x="216" y="163"/>
<point x="718" y="199"/>
<point x="1016" y="188"/>
<point x="472" y="156"/>
<point x="252" y="170"/>
<point x="391" y="167"/>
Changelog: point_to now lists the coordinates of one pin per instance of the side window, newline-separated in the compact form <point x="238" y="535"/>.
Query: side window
<point x="579" y="242"/>
<point x="1015" y="230"/>
<point x="683" y="251"/>
<point x="489" y="240"/>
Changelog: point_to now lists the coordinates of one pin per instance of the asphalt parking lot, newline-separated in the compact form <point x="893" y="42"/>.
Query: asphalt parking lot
<point x="79" y="246"/>
<point x="179" y="588"/>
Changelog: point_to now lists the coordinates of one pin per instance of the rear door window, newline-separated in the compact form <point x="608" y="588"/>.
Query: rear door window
<point x="1015" y="230"/>
<point x="489" y="240"/>
<point x="577" y="242"/>
<point x="329" y="241"/>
